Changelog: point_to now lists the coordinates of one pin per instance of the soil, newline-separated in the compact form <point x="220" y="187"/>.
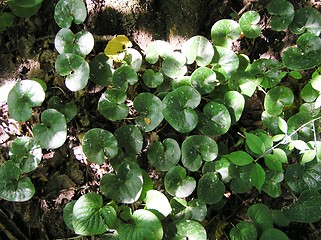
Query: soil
<point x="27" y="50"/>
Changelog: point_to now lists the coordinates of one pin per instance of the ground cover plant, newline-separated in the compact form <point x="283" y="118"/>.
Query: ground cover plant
<point x="175" y="153"/>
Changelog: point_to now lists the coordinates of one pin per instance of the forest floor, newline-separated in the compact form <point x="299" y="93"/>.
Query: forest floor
<point x="26" y="51"/>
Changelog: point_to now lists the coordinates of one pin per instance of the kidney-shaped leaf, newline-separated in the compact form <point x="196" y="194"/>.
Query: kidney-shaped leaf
<point x="249" y="24"/>
<point x="225" y="62"/>
<point x="12" y="187"/>
<point x="164" y="155"/>
<point x="261" y="217"/>
<point x="124" y="75"/>
<point x="177" y="183"/>
<point x="273" y="233"/>
<point x="111" y="104"/>
<point x="130" y="138"/>
<point x="150" y="111"/>
<point x="99" y="144"/>
<point x="68" y="11"/>
<point x="204" y="80"/>
<point x="277" y="98"/>
<point x="100" y="70"/>
<point x="198" y="49"/>
<point x="185" y="229"/>
<point x="157" y="203"/>
<point x="243" y="231"/>
<point x="306" y="19"/>
<point x="197" y="148"/>
<point x="125" y="186"/>
<point x="144" y="225"/>
<point x="23" y="96"/>
<point x="178" y="108"/>
<point x="282" y="12"/>
<point x="158" y="48"/>
<point x="224" y="32"/>
<point x="210" y="189"/>
<point x="152" y="79"/>
<point x="75" y="68"/>
<point x="173" y="66"/>
<point x="194" y="210"/>
<point x="52" y="132"/>
<point x="69" y="109"/>
<point x="25" y="11"/>
<point x="25" y="152"/>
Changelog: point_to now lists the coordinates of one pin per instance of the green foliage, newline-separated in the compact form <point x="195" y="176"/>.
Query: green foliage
<point x="6" y="20"/>
<point x="68" y="11"/>
<point x="24" y="8"/>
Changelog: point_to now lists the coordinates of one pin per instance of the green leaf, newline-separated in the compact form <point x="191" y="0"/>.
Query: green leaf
<point x="282" y="12"/>
<point x="173" y="66"/>
<point x="225" y="62"/>
<point x="112" y="105"/>
<point x="301" y="121"/>
<point x="197" y="148"/>
<point x="203" y="80"/>
<point x="99" y="144"/>
<point x="193" y="210"/>
<point x="316" y="82"/>
<point x="254" y="143"/>
<point x="243" y="231"/>
<point x="152" y="79"/>
<point x="178" y="108"/>
<point x="279" y="219"/>
<point x="283" y="125"/>
<point x="257" y="176"/>
<point x="123" y="76"/>
<point x="52" y="132"/>
<point x="235" y="102"/>
<point x="27" y="3"/>
<point x="69" y="110"/>
<point x="68" y="11"/>
<point x="23" y="11"/>
<point x="249" y="24"/>
<point x="224" y="32"/>
<point x="210" y="189"/>
<point x="198" y="49"/>
<point x="100" y="70"/>
<point x="12" y="186"/>
<point x="305" y="54"/>
<point x="147" y="185"/>
<point x="158" y="49"/>
<point x="125" y="186"/>
<point x="277" y="98"/>
<point x="185" y="229"/>
<point x="274" y="161"/>
<point x="306" y="19"/>
<point x="164" y="155"/>
<point x="273" y="233"/>
<point x="157" y="203"/>
<point x="24" y="95"/>
<point x="150" y="112"/>
<point x="240" y="158"/>
<point x="241" y="182"/>
<point x="215" y="119"/>
<point x="26" y="153"/>
<point x="6" y="20"/>
<point x="177" y="183"/>
<point x="81" y="43"/>
<point x="130" y="138"/>
<point x="75" y="68"/>
<point x="261" y="217"/>
<point x="68" y="215"/>
<point x="272" y="184"/>
<point x="144" y="225"/>
<point x="306" y="209"/>
<point x="133" y="58"/>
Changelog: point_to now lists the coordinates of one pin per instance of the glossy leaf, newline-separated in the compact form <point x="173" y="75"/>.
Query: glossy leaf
<point x="100" y="70"/>
<point x="240" y="158"/>
<point x="235" y="102"/>
<point x="125" y="186"/>
<point x="52" y="132"/>
<point x="306" y="19"/>
<point x="152" y="79"/>
<point x="133" y="58"/>
<point x="273" y="233"/>
<point x="115" y="48"/>
<point x="224" y="32"/>
<point x="173" y="66"/>
<point x="275" y="160"/>
<point x="243" y="231"/>
<point x="24" y="95"/>
<point x="68" y="11"/>
<point x="27" y="3"/>
<point x="99" y="144"/>
<point x="254" y="143"/>
<point x="185" y="229"/>
<point x="282" y="12"/>
<point x="203" y="79"/>
<point x="158" y="49"/>
<point x="69" y="110"/>
<point x="225" y="62"/>
<point x="197" y="148"/>
<point x="277" y="98"/>
<point x="193" y="210"/>
<point x="261" y="217"/>
<point x="249" y="24"/>
<point x="68" y="215"/>
<point x="257" y="176"/>
<point x="157" y="203"/>
<point x="130" y="138"/>
<point x="123" y="76"/>
<point x="210" y="189"/>
<point x="23" y="11"/>
<point x="241" y="178"/>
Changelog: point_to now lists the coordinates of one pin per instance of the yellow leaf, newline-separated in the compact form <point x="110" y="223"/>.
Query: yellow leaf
<point x="116" y="47"/>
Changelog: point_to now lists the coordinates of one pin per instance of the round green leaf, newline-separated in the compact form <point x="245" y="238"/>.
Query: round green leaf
<point x="198" y="49"/>
<point x="210" y="189"/>
<point x="243" y="231"/>
<point x="305" y="55"/>
<point x="124" y="75"/>
<point x="282" y="12"/>
<point x="143" y="225"/>
<point x="164" y="155"/>
<point x="130" y="138"/>
<point x="152" y="79"/>
<point x="306" y="209"/>
<point x="26" y="153"/>
<point x="178" y="108"/>
<point x="261" y="217"/>
<point x="133" y="58"/>
<point x="150" y="111"/>
<point x="99" y="144"/>
<point x="197" y="148"/>
<point x="273" y="233"/>
<point x="68" y="11"/>
<point x="111" y="104"/>
<point x="173" y="66"/>
<point x="22" y="97"/>
<point x="69" y="109"/>
<point x="241" y="181"/>
<point x="158" y="48"/>
<point x="249" y="24"/>
<point x="277" y="98"/>
<point x="224" y="32"/>
<point x="52" y="132"/>
<point x="194" y="210"/>
<point x="81" y="43"/>
<point x="12" y="186"/>
<point x="75" y="68"/>
<point x="177" y="183"/>
<point x="215" y="119"/>
<point x="23" y="11"/>
<point x="185" y="229"/>
<point x="157" y="203"/>
<point x="100" y="70"/>
<point x="306" y="19"/>
<point x="240" y="158"/>
<point x="125" y="186"/>
<point x="225" y="62"/>
<point x="203" y="80"/>
<point x="235" y="102"/>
